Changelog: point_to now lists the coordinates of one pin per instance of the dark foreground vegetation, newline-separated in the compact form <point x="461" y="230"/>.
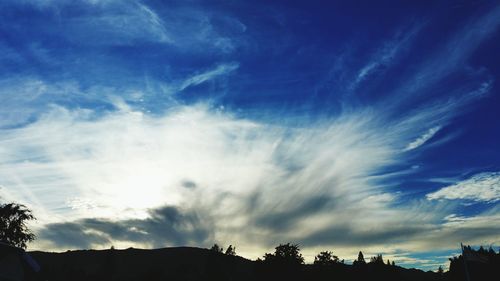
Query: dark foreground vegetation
<point x="202" y="264"/>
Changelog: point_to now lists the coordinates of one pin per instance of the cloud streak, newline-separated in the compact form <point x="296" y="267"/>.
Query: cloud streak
<point x="423" y="139"/>
<point x="386" y="55"/>
<point x="483" y="187"/>
<point x="165" y="226"/>
<point x="451" y="57"/>
<point x="219" y="70"/>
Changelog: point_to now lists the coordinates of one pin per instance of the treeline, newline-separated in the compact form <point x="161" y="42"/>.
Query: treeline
<point x="290" y="253"/>
<point x="480" y="264"/>
<point x="287" y="263"/>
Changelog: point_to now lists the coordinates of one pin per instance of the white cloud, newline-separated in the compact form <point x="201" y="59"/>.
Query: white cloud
<point x="75" y="164"/>
<point x="24" y="99"/>
<point x="423" y="138"/>
<point x="481" y="187"/>
<point x="22" y="96"/>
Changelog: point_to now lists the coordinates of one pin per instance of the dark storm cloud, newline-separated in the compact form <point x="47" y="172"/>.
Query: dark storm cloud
<point x="71" y="235"/>
<point x="166" y="226"/>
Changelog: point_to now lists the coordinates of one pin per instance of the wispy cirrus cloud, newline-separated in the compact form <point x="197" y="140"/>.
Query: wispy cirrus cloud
<point x="128" y="23"/>
<point x="451" y="57"/>
<point x="219" y="70"/>
<point x="423" y="138"/>
<point x="117" y="23"/>
<point x="483" y="187"/>
<point x="384" y="56"/>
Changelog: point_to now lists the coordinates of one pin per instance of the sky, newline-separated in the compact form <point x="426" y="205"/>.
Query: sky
<point x="337" y="125"/>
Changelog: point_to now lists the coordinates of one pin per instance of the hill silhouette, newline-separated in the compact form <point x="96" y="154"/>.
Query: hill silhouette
<point x="182" y="263"/>
<point x="186" y="263"/>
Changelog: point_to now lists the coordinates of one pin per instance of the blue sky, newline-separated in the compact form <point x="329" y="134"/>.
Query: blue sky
<point x="344" y="126"/>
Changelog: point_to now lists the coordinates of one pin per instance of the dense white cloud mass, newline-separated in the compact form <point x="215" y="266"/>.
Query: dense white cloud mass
<point x="108" y="160"/>
<point x="481" y="187"/>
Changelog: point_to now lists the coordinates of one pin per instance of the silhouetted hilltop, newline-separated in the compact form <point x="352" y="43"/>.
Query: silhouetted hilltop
<point x="185" y="263"/>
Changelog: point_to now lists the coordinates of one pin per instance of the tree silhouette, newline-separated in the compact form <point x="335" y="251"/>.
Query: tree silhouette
<point x="231" y="250"/>
<point x="377" y="259"/>
<point x="13" y="229"/>
<point x="325" y="258"/>
<point x="285" y="253"/>
<point x="360" y="260"/>
<point x="440" y="270"/>
<point x="217" y="248"/>
<point x="491" y="251"/>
